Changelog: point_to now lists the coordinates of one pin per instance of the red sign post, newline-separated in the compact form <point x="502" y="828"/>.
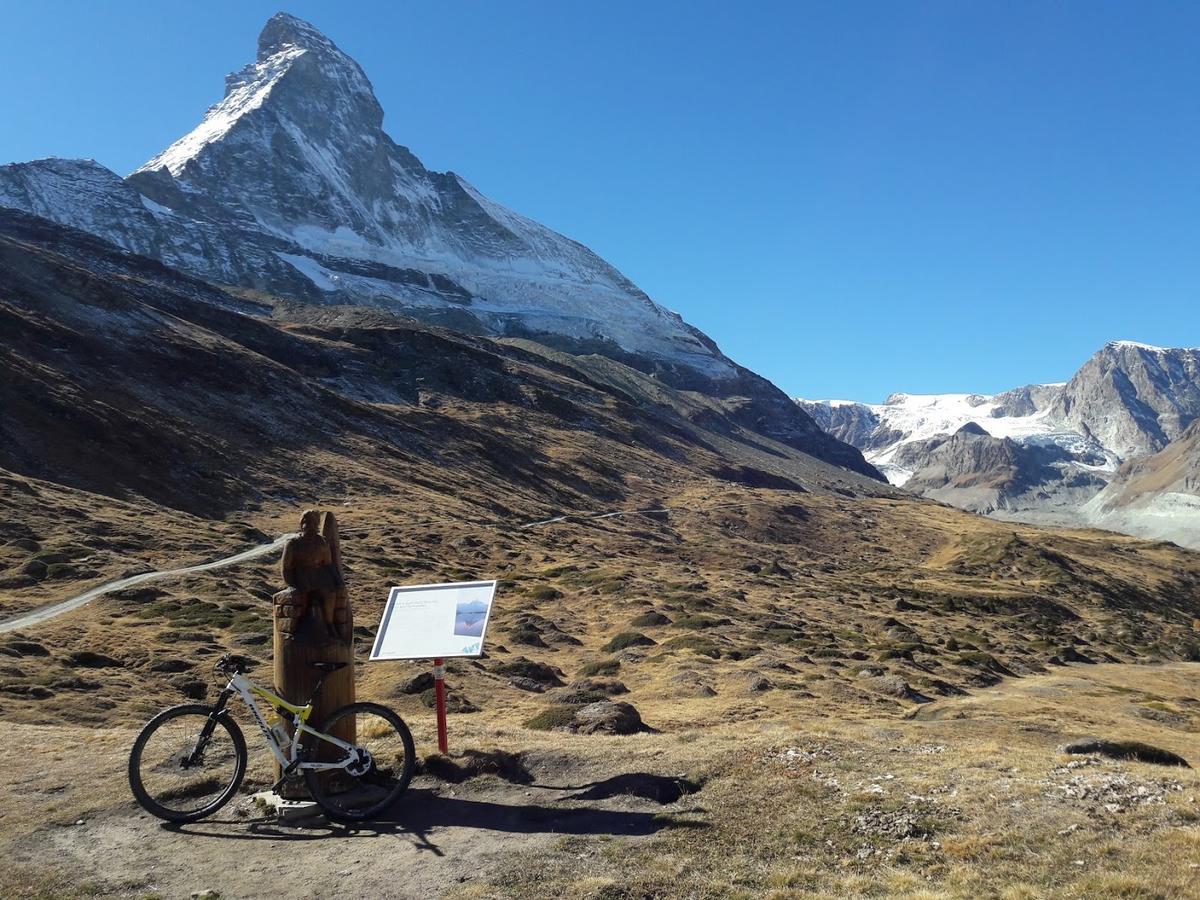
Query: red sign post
<point x="439" y="692"/>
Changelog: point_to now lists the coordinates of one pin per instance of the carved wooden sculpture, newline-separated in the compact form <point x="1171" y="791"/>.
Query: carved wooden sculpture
<point x="313" y="623"/>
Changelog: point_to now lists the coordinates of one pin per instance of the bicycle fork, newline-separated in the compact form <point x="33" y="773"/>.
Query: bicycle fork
<point x="206" y="732"/>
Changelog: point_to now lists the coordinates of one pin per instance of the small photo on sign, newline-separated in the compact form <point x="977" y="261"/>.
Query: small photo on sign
<point x="470" y="617"/>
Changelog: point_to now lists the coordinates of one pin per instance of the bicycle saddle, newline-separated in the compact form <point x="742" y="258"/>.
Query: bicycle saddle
<point x="328" y="666"/>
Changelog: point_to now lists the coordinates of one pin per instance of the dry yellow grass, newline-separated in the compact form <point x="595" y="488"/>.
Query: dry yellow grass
<point x="970" y="798"/>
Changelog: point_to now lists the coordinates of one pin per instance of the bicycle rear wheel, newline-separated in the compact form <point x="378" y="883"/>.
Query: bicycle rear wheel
<point x="186" y="765"/>
<point x="382" y="768"/>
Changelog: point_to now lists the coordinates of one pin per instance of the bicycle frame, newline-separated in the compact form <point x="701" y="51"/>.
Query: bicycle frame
<point x="248" y="690"/>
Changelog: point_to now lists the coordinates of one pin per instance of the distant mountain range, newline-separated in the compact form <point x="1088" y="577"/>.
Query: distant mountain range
<point x="1116" y="446"/>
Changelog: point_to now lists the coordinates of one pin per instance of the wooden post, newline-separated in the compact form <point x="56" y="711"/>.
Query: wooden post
<point x="303" y="633"/>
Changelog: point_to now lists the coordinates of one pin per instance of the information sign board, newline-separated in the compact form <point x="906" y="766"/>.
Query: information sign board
<point x="434" y="621"/>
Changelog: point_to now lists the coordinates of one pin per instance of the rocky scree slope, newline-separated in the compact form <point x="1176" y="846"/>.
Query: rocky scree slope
<point x="1157" y="496"/>
<point x="126" y="378"/>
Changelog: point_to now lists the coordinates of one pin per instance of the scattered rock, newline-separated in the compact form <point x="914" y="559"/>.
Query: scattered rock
<point x="171" y="665"/>
<point x="252" y="640"/>
<point x="897" y="824"/>
<point x="27" y="648"/>
<point x="526" y="684"/>
<point x="455" y="702"/>
<point x="527" y="668"/>
<point x="418" y="684"/>
<point x="1110" y="792"/>
<point x="945" y="688"/>
<point x="1134" y="750"/>
<point x="89" y="659"/>
<point x="759" y="684"/>
<point x="607" y="717"/>
<point x="1070" y="654"/>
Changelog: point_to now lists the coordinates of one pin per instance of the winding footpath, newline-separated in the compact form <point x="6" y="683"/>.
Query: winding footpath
<point x="43" y="613"/>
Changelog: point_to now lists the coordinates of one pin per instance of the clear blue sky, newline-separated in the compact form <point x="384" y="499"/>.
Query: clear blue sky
<point x="851" y="198"/>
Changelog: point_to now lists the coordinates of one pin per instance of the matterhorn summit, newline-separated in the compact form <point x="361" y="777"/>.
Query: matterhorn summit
<point x="291" y="187"/>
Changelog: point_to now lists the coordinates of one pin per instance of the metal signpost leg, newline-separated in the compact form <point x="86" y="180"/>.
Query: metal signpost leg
<point x="439" y="690"/>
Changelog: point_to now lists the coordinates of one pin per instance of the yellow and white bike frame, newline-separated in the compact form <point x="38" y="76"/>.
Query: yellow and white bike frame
<point x="287" y="757"/>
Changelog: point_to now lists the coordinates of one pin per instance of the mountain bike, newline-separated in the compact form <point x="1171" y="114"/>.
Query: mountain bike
<point x="189" y="760"/>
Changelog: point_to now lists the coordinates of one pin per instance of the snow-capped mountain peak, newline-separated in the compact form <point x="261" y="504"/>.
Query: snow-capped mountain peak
<point x="881" y="430"/>
<point x="290" y="185"/>
<point x="1149" y="348"/>
<point x="340" y="87"/>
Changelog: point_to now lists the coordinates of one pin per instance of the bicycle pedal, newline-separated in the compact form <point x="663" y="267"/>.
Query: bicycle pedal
<point x="287" y="773"/>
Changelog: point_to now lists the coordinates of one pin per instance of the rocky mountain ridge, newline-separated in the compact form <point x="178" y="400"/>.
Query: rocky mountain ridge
<point x="1042" y="452"/>
<point x="290" y="189"/>
<point x="291" y="186"/>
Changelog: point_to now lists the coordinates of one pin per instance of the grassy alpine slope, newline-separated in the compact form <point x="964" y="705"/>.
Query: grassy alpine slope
<point x="863" y="692"/>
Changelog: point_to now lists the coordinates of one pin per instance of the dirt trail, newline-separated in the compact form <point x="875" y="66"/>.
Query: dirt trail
<point x="44" y="613"/>
<point x="439" y="836"/>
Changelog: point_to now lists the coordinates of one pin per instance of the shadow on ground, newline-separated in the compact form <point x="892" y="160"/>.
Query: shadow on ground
<point x="422" y="811"/>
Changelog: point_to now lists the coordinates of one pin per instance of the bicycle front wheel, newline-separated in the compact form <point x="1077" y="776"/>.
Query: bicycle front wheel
<point x="381" y="765"/>
<point x="186" y="765"/>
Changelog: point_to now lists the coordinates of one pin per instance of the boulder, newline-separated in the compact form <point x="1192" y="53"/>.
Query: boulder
<point x="527" y="668"/>
<point x="418" y="684"/>
<point x="1134" y="750"/>
<point x="607" y="717"/>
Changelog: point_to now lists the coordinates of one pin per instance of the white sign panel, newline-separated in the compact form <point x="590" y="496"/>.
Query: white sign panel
<point x="434" y="620"/>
